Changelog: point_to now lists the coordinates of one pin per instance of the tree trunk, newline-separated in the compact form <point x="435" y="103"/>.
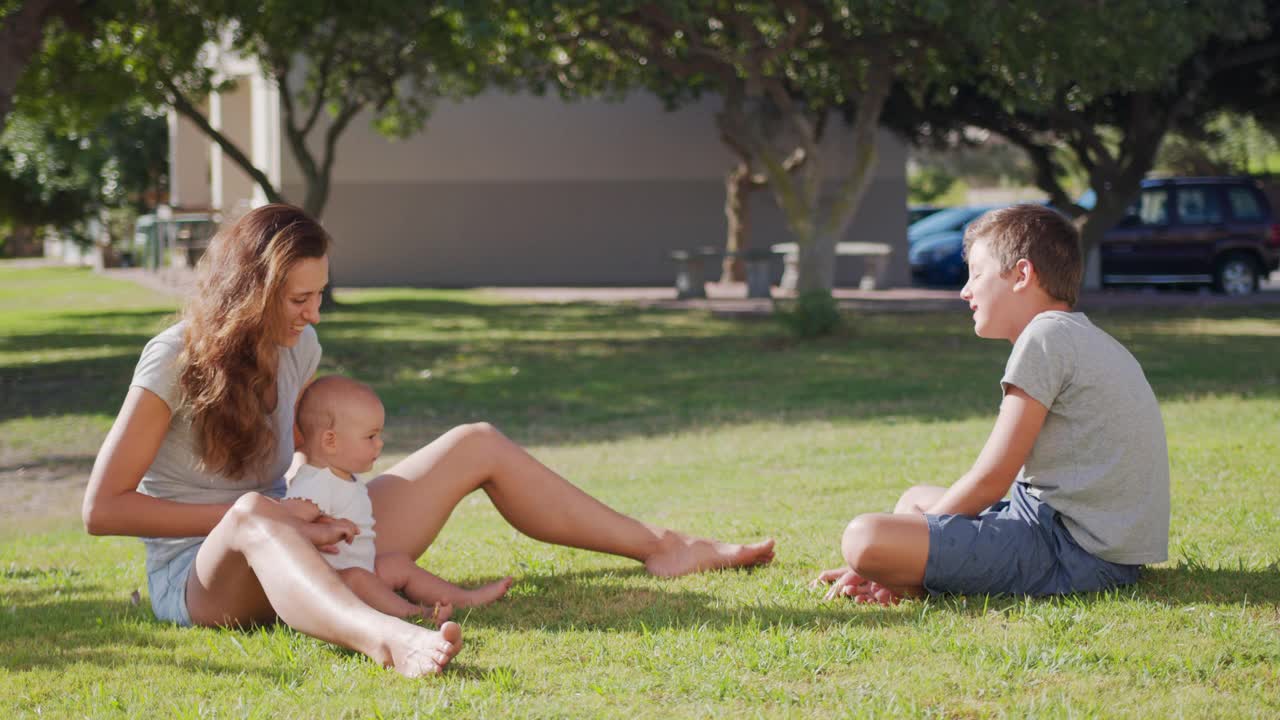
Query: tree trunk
<point x="22" y="242"/>
<point x="737" y="193"/>
<point x="817" y="263"/>
<point x="21" y="36"/>
<point x="1093" y="226"/>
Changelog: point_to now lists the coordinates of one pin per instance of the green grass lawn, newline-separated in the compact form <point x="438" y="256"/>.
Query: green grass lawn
<point x="722" y="427"/>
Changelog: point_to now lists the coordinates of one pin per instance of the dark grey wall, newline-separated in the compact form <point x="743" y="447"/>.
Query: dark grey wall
<point x="582" y="232"/>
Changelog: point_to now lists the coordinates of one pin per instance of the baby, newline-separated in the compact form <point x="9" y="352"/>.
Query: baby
<point x="340" y="421"/>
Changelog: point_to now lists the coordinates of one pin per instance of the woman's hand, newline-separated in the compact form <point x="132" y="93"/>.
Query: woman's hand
<point x="302" y="509"/>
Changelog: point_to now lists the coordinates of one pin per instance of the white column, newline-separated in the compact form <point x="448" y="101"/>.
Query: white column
<point x="215" y="153"/>
<point x="266" y="132"/>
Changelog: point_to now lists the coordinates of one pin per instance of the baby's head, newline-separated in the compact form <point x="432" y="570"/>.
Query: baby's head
<point x="1022" y="260"/>
<point x="341" y="424"/>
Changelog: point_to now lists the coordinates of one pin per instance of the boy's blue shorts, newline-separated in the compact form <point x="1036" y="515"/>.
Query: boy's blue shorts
<point x="1017" y="547"/>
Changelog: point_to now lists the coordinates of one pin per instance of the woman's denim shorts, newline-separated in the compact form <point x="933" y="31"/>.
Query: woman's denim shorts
<point x="167" y="586"/>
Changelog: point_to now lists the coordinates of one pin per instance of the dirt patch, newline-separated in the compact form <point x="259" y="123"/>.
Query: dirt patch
<point x="44" y="491"/>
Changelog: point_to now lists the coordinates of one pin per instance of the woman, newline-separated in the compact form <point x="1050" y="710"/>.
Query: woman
<point x="195" y="461"/>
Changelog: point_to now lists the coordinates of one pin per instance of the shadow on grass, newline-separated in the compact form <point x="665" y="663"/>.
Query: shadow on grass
<point x="43" y="627"/>
<point x="609" y="600"/>
<point x="549" y="374"/>
<point x="605" y="599"/>
<point x="1192" y="585"/>
<point x="1176" y="586"/>
<point x="95" y="382"/>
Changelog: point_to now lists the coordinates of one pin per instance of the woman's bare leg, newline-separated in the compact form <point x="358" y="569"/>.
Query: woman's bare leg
<point x="256" y="564"/>
<point x="413" y="499"/>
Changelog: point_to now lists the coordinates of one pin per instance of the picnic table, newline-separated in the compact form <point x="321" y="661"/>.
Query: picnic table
<point x="875" y="257"/>
<point x="691" y="271"/>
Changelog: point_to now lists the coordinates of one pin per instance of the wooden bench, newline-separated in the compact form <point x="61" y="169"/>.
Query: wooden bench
<point x="875" y="257"/>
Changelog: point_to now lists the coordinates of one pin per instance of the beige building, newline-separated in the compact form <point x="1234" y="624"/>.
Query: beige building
<point x="517" y="190"/>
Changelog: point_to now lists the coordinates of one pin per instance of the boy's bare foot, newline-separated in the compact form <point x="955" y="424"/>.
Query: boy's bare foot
<point x="682" y="555"/>
<point x="484" y="594"/>
<point x="418" y="651"/>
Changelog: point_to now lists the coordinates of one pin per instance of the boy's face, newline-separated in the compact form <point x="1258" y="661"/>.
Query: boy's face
<point x="358" y="432"/>
<point x="989" y="294"/>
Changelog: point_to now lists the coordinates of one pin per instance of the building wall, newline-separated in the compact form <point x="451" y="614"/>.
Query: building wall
<point x="189" y="178"/>
<point x="571" y="233"/>
<point x="520" y="190"/>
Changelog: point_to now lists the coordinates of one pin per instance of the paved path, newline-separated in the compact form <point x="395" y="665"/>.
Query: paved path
<point x="731" y="299"/>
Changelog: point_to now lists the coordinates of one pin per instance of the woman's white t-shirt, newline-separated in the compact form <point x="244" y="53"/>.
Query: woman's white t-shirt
<point x="175" y="473"/>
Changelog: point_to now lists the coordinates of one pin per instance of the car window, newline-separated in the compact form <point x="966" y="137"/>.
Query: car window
<point x="1151" y="208"/>
<point x="1199" y="206"/>
<point x="1244" y="204"/>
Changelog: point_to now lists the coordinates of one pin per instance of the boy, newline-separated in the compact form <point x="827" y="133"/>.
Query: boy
<point x="340" y="421"/>
<point x="1079" y="437"/>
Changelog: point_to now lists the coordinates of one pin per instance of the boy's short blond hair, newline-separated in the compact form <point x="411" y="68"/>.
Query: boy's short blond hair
<point x="1036" y="233"/>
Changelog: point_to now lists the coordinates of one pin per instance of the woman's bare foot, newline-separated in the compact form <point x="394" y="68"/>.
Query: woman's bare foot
<point x="416" y="651"/>
<point x="682" y="555"/>
<point x="484" y="594"/>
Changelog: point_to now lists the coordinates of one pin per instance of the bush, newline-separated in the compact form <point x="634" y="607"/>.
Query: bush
<point x="813" y="314"/>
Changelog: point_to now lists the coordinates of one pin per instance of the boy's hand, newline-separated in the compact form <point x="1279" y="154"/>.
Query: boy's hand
<point x="302" y="508"/>
<point x="847" y="583"/>
<point x="843" y="582"/>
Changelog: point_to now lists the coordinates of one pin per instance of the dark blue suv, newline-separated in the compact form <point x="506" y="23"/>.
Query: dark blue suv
<point x="1216" y="231"/>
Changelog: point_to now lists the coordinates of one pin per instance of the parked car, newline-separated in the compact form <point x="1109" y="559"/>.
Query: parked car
<point x="1217" y="231"/>
<point x="936" y="243"/>
<point x="916" y="213"/>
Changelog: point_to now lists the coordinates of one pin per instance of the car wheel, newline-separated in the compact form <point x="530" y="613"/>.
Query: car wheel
<point x="1236" y="275"/>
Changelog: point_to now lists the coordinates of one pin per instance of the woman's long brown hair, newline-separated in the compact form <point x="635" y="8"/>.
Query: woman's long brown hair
<point x="234" y="323"/>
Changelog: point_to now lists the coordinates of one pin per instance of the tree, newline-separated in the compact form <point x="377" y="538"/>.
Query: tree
<point x="782" y="71"/>
<point x="330" y="61"/>
<point x="1111" y="119"/>
<point x="57" y="175"/>
<point x="22" y="29"/>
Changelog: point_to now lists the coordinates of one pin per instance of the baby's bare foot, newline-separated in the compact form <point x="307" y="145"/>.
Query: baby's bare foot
<point x="418" y="651"/>
<point x="681" y="555"/>
<point x="485" y="594"/>
<point x="437" y="613"/>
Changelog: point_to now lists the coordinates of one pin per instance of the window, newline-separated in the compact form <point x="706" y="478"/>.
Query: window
<point x="1244" y="204"/>
<point x="1152" y="207"/>
<point x="1199" y="206"/>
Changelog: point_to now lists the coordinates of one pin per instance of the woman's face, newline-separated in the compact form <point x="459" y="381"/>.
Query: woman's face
<point x="303" y="288"/>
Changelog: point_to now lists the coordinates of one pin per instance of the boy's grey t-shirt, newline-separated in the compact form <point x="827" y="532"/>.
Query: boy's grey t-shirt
<point x="175" y="473"/>
<point x="1100" y="460"/>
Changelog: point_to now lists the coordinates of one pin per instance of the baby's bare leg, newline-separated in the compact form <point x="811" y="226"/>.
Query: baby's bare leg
<point x="378" y="595"/>
<point x="400" y="572"/>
